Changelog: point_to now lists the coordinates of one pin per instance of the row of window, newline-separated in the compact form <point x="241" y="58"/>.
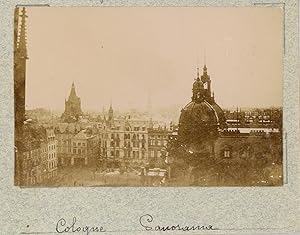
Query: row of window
<point x="78" y="144"/>
<point x="52" y="165"/>
<point x="79" y="151"/>
<point x="158" y="142"/>
<point x="154" y="153"/>
<point x="51" y="155"/>
<point x="51" y="147"/>
<point x="158" y="136"/>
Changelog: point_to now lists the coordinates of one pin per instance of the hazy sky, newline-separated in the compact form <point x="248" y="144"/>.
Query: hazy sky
<point x="129" y="54"/>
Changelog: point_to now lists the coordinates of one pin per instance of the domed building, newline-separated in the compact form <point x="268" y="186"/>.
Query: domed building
<point x="201" y="119"/>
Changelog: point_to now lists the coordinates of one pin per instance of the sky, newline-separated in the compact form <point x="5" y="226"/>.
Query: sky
<point x="130" y="56"/>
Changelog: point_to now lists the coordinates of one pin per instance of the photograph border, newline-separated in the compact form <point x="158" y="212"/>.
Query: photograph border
<point x="229" y="209"/>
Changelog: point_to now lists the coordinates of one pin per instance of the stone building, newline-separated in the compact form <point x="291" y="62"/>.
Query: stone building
<point x="78" y="145"/>
<point x="85" y="148"/>
<point x="52" y="153"/>
<point x="124" y="141"/>
<point x="39" y="157"/>
<point x="158" y="140"/>
<point x="208" y="152"/>
<point x="64" y="133"/>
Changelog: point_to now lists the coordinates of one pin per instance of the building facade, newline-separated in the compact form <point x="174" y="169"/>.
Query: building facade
<point x="39" y="155"/>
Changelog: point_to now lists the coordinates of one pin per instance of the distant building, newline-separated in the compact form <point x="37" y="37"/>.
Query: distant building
<point x="72" y="107"/>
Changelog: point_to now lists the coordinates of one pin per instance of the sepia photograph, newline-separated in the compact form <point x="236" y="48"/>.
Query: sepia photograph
<point x="148" y="96"/>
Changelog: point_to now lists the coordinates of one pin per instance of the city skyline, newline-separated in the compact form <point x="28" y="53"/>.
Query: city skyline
<point x="202" y="145"/>
<point x="127" y="61"/>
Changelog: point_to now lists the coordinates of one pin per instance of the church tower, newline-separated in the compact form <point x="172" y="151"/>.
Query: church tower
<point x="72" y="106"/>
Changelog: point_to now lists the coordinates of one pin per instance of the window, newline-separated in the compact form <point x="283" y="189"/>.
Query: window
<point x="112" y="153"/>
<point x="74" y="151"/>
<point x="79" y="151"/>
<point x="117" y="153"/>
<point x="143" y="128"/>
<point x="133" y="154"/>
<point x="226" y="153"/>
<point x="83" y="151"/>
<point x="79" y="144"/>
<point x="74" y="144"/>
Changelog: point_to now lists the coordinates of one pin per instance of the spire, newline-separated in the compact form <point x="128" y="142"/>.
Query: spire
<point x="204" y="69"/>
<point x="22" y="37"/>
<point x="110" y="112"/>
<point x="198" y="76"/>
<point x="73" y="92"/>
<point x="16" y="27"/>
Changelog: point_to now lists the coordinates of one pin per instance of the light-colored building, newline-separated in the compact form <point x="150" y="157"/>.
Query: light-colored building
<point x="52" y="153"/>
<point x="125" y="140"/>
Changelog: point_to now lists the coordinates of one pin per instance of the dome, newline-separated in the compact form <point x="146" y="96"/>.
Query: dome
<point x="220" y="113"/>
<point x="198" y="114"/>
<point x="201" y="118"/>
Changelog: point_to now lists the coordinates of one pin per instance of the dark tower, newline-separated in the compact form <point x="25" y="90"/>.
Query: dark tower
<point x="72" y="106"/>
<point x="20" y="57"/>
